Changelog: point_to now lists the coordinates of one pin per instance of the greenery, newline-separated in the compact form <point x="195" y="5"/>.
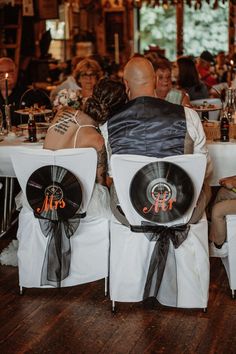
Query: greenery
<point x="204" y="28"/>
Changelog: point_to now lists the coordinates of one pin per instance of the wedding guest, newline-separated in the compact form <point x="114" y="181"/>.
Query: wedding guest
<point x="164" y="88"/>
<point x="221" y="67"/>
<point x="11" y="96"/>
<point x="86" y="74"/>
<point x="224" y="204"/>
<point x="69" y="83"/>
<point x="73" y="128"/>
<point x="205" y="62"/>
<point x="150" y="126"/>
<point x="188" y="79"/>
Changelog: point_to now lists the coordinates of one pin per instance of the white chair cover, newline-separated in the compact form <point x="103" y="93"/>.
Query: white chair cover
<point x="89" y="244"/>
<point x="131" y="252"/>
<point x="230" y="261"/>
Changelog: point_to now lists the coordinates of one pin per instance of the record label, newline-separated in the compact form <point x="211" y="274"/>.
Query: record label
<point x="161" y="192"/>
<point x="54" y="193"/>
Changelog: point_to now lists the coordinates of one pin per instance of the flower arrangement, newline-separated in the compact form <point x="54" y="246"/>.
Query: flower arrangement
<point x="68" y="97"/>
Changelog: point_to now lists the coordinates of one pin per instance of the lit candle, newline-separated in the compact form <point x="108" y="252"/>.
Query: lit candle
<point x="231" y="70"/>
<point x="117" y="51"/>
<point x="6" y="88"/>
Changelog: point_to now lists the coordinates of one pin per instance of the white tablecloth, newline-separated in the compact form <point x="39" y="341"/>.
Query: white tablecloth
<point x="7" y="148"/>
<point x="223" y="157"/>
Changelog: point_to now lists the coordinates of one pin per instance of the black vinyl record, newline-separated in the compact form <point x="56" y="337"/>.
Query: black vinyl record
<point x="54" y="193"/>
<point x="161" y="192"/>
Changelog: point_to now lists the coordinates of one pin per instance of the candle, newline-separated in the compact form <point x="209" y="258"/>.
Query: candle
<point x="6" y="88"/>
<point x="117" y="54"/>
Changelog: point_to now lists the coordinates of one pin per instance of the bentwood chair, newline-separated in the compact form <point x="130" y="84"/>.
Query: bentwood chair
<point x="185" y="281"/>
<point x="90" y="241"/>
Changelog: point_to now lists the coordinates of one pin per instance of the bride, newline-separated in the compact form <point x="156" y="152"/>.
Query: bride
<point x="76" y="129"/>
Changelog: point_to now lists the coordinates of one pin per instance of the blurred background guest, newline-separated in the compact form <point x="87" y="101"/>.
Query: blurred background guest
<point x="221" y="67"/>
<point x="15" y="90"/>
<point x="70" y="82"/>
<point x="164" y="88"/>
<point x="204" y="68"/>
<point x="86" y="75"/>
<point x="188" y="79"/>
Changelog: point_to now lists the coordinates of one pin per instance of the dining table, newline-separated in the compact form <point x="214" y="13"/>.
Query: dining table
<point x="8" y="146"/>
<point x="223" y="156"/>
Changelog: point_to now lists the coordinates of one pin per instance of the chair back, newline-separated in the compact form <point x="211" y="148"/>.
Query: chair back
<point x="124" y="167"/>
<point x="81" y="162"/>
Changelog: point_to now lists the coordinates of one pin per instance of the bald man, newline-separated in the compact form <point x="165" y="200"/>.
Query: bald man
<point x="15" y="90"/>
<point x="151" y="126"/>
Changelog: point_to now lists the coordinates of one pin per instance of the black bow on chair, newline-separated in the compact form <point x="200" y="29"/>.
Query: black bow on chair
<point x="162" y="235"/>
<point x="57" y="259"/>
<point x="55" y="195"/>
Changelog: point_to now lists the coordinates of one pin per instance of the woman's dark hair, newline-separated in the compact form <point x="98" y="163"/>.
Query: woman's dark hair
<point x="188" y="75"/>
<point x="108" y="97"/>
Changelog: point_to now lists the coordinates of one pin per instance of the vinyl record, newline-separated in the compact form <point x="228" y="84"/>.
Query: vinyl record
<point x="161" y="192"/>
<point x="54" y="193"/>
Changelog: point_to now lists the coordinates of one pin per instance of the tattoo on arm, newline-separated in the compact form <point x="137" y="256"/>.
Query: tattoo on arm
<point x="102" y="165"/>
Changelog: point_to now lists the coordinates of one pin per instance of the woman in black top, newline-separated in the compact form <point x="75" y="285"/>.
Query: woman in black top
<point x="188" y="79"/>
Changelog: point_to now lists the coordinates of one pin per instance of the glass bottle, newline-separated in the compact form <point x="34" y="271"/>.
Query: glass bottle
<point x="224" y="128"/>
<point x="32" y="129"/>
<point x="229" y="106"/>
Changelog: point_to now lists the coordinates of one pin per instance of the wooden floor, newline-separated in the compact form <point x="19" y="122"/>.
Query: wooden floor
<point x="78" y="320"/>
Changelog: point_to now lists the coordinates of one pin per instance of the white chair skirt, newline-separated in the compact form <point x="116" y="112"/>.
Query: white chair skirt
<point x="230" y="261"/>
<point x="129" y="261"/>
<point x="89" y="251"/>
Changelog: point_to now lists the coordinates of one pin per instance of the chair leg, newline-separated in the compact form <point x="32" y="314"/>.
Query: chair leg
<point x="233" y="294"/>
<point x="106" y="283"/>
<point x="21" y="290"/>
<point x="113" y="306"/>
<point x="205" y="310"/>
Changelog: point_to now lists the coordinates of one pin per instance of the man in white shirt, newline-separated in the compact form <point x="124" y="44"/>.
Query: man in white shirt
<point x="153" y="127"/>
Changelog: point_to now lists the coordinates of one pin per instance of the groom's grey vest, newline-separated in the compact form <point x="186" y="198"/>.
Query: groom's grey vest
<point x="151" y="127"/>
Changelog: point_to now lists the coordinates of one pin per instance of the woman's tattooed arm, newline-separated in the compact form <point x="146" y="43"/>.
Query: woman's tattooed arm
<point x="102" y="166"/>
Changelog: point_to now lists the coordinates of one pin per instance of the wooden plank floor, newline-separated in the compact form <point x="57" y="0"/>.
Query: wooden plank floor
<point x="78" y="320"/>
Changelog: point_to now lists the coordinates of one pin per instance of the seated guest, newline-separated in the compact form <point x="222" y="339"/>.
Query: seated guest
<point x="76" y="129"/>
<point x="86" y="74"/>
<point x="224" y="204"/>
<point x="15" y="90"/>
<point x="205" y="61"/>
<point x="69" y="83"/>
<point x="221" y="67"/>
<point x="188" y="79"/>
<point x="164" y="87"/>
<point x="150" y="126"/>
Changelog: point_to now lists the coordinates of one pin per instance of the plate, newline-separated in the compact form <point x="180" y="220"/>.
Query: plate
<point x="38" y="125"/>
<point x="200" y="108"/>
<point x="34" y="112"/>
<point x="38" y="142"/>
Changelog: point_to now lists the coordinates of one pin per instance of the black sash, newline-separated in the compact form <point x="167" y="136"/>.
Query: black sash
<point x="162" y="235"/>
<point x="57" y="259"/>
